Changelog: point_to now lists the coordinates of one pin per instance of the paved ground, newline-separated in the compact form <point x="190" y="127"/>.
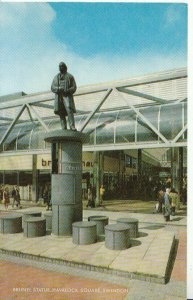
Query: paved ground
<point x="143" y="260"/>
<point x="48" y="275"/>
<point x="19" y="281"/>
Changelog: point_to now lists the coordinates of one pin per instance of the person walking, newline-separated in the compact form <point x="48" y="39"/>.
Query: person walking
<point x="160" y="200"/>
<point x="47" y="196"/>
<point x="1" y="192"/>
<point x="175" y="201"/>
<point x="102" y="192"/>
<point x="90" y="202"/>
<point x="16" y="196"/>
<point x="167" y="205"/>
<point x="6" y="198"/>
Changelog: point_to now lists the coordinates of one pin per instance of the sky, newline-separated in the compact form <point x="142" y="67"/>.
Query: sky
<point x="98" y="41"/>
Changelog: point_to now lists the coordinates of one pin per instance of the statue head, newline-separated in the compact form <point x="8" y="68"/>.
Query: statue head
<point x="62" y="67"/>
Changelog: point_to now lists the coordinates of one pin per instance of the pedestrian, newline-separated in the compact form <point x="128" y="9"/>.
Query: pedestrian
<point x="90" y="202"/>
<point x="1" y="192"/>
<point x="167" y="205"/>
<point x="160" y="200"/>
<point x="184" y="195"/>
<point x="64" y="86"/>
<point x="169" y="183"/>
<point x="102" y="192"/>
<point x="16" y="196"/>
<point x="175" y="201"/>
<point x="6" y="198"/>
<point x="47" y="196"/>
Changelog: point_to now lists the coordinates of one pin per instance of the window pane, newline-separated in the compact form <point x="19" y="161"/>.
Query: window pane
<point x="125" y="126"/>
<point x="105" y="128"/>
<point x="171" y="120"/>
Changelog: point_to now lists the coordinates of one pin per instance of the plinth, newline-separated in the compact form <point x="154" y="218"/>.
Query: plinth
<point x="66" y="182"/>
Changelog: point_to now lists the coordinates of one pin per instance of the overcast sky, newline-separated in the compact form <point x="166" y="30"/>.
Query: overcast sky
<point x="98" y="41"/>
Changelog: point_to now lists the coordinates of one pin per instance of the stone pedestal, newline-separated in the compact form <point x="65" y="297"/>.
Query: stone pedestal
<point x="34" y="227"/>
<point x="66" y="196"/>
<point x="29" y="214"/>
<point x="117" y="236"/>
<point x="84" y="233"/>
<point x="101" y="222"/>
<point x="132" y="224"/>
<point x="11" y="223"/>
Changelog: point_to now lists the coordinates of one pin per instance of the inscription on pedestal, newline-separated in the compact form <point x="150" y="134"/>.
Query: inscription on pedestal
<point x="71" y="167"/>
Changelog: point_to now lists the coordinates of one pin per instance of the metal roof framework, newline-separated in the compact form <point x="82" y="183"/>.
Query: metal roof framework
<point x="133" y="96"/>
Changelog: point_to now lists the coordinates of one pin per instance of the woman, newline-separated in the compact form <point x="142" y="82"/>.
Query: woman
<point x="6" y="199"/>
<point x="102" y="192"/>
<point x="167" y="205"/>
<point x="90" y="197"/>
<point x="160" y="200"/>
<point x="175" y="201"/>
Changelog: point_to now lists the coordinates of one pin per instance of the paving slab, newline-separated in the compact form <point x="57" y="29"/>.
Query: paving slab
<point x="76" y="256"/>
<point x="55" y="252"/>
<point x="100" y="260"/>
<point x="142" y="260"/>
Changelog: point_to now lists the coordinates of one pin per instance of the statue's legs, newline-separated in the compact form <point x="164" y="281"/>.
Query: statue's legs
<point x="71" y="119"/>
<point x="63" y="122"/>
<point x="70" y="113"/>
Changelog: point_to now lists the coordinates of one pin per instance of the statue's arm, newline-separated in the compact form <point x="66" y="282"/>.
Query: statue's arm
<point x="54" y="86"/>
<point x="73" y="86"/>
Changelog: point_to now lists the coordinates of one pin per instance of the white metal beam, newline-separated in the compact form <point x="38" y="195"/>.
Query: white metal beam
<point x="101" y="147"/>
<point x="30" y="115"/>
<point x="142" y="95"/>
<point x="44" y="105"/>
<point x="181" y="100"/>
<point x="124" y="146"/>
<point x="180" y="134"/>
<point x="38" y="117"/>
<point x="96" y="109"/>
<point x="6" y="134"/>
<point x="149" y="124"/>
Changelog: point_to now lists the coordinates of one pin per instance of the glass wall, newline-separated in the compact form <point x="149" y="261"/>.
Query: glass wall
<point x="125" y="126"/>
<point x="171" y="117"/>
<point x="109" y="127"/>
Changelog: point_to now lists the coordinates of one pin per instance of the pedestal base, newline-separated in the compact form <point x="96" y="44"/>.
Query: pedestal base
<point x="66" y="190"/>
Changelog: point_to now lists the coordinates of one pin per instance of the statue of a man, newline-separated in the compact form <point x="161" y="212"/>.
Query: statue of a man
<point x="64" y="86"/>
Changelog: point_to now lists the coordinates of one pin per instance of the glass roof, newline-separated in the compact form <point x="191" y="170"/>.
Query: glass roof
<point x="119" y="126"/>
<point x="149" y="109"/>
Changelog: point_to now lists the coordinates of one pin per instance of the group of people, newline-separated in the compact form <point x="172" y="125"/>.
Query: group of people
<point x="168" y="202"/>
<point x="6" y="195"/>
<point x="91" y="196"/>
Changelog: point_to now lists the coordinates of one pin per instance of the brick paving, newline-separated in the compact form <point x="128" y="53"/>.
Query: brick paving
<point x="27" y="282"/>
<point x="180" y="266"/>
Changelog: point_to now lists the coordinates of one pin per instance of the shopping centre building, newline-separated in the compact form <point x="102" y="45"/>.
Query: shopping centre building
<point x="137" y="136"/>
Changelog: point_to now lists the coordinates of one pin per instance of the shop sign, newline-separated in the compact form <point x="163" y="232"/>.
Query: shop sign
<point x="44" y="162"/>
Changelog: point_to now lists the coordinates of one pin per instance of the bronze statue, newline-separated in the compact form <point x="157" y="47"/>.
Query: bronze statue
<point x="64" y="86"/>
